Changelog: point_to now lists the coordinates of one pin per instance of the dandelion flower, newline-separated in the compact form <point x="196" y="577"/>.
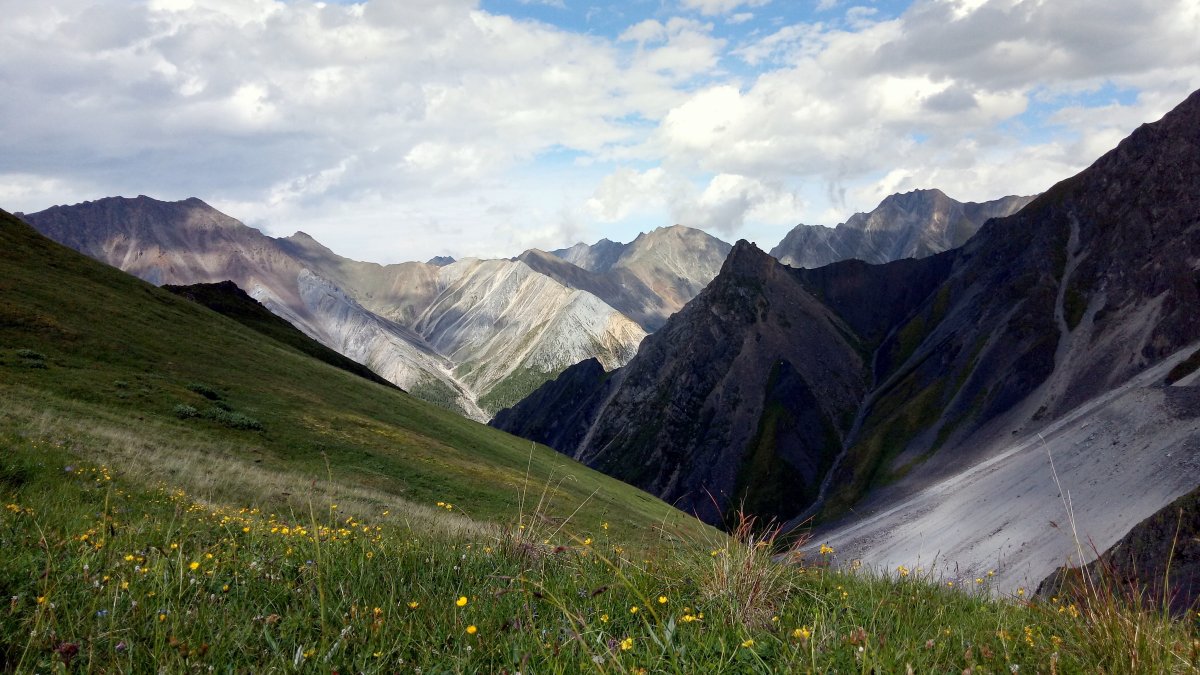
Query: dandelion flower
<point x="462" y="601"/>
<point x="626" y="644"/>
<point x="826" y="549"/>
<point x="748" y="643"/>
<point x="471" y="630"/>
<point x="662" y="599"/>
<point x="802" y="633"/>
<point x="603" y="618"/>
<point x="193" y="566"/>
<point x="633" y="610"/>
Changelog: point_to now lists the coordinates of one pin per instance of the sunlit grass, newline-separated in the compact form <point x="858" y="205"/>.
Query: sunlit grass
<point x="102" y="574"/>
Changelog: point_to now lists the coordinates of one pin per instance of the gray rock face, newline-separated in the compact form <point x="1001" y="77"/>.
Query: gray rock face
<point x="599" y="257"/>
<point x="475" y="336"/>
<point x="910" y="225"/>
<point x="190" y="242"/>
<point x="648" y="279"/>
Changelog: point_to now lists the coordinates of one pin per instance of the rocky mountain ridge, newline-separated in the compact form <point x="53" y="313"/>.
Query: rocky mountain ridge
<point x="472" y="335"/>
<point x="914" y="224"/>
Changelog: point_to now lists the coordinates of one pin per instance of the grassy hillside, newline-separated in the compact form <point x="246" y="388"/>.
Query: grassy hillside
<point x="101" y="575"/>
<point x="179" y="493"/>
<point x="160" y="388"/>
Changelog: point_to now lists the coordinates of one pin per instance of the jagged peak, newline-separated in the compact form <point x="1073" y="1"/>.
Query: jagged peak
<point x="746" y="259"/>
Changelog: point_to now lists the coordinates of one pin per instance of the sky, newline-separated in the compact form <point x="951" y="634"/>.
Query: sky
<point x="397" y="130"/>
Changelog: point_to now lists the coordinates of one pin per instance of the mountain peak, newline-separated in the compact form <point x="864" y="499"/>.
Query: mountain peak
<point x="746" y="259"/>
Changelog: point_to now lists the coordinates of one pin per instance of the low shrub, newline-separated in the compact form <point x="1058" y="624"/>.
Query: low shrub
<point x="233" y="420"/>
<point x="183" y="411"/>
<point x="205" y="391"/>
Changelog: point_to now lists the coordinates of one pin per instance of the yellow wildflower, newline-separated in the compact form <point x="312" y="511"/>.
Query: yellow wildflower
<point x="626" y="644"/>
<point x="748" y="643"/>
<point x="462" y="601"/>
<point x="414" y="604"/>
<point x="633" y="610"/>
<point x="193" y="566"/>
<point x="826" y="549"/>
<point x="802" y="633"/>
<point x="662" y="599"/>
<point x="471" y="630"/>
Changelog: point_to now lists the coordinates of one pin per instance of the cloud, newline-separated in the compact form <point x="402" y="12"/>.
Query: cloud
<point x="403" y="129"/>
<point x="943" y="95"/>
<point x="723" y="205"/>
<point x="715" y="7"/>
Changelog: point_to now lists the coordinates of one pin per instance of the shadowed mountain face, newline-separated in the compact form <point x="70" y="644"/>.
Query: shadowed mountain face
<point x="746" y="396"/>
<point x="912" y="382"/>
<point x="911" y="225"/>
<point x="746" y="393"/>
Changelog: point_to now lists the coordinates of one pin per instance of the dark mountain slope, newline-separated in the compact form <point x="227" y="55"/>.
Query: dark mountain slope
<point x="227" y="299"/>
<point x="1087" y="286"/>
<point x="560" y="412"/>
<point x="745" y="394"/>
<point x="872" y="299"/>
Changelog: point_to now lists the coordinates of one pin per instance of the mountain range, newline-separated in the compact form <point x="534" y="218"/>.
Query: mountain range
<point x="910" y="225"/>
<point x="475" y="336"/>
<point x="936" y="409"/>
<point x="471" y="335"/>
